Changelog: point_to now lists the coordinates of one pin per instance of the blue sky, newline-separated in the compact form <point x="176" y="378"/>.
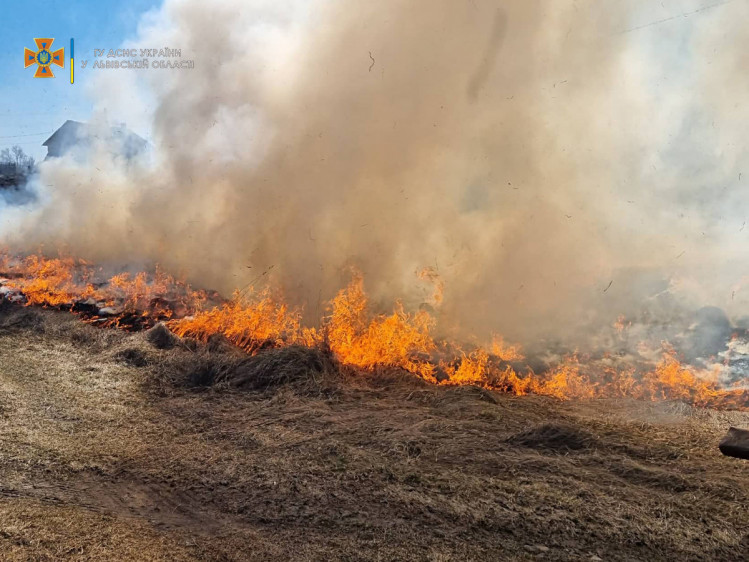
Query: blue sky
<point x="34" y="107"/>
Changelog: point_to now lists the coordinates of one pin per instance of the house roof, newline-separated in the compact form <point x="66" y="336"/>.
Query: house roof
<point x="68" y="128"/>
<point x="73" y="130"/>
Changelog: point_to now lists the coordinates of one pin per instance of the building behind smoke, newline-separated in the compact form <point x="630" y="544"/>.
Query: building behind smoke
<point x="77" y="137"/>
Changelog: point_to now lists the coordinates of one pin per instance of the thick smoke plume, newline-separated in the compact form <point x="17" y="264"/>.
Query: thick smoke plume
<point x="555" y="163"/>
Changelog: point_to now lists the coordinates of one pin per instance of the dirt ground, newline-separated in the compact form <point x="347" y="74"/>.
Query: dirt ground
<point x="109" y="451"/>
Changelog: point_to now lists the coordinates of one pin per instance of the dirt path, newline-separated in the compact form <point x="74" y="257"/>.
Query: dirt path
<point x="160" y="505"/>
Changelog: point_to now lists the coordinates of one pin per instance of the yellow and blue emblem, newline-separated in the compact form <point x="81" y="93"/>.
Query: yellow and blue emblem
<point x="44" y="57"/>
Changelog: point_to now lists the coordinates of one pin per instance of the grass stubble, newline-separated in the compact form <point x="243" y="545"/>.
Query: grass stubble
<point x="140" y="446"/>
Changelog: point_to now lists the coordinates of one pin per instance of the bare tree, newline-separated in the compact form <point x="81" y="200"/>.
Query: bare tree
<point x="16" y="155"/>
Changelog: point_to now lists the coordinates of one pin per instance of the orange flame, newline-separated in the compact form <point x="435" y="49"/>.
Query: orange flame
<point x="248" y="322"/>
<point x="358" y="336"/>
<point x="366" y="341"/>
<point x="52" y="281"/>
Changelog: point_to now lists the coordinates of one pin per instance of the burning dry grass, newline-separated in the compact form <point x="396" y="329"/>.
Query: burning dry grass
<point x="404" y="341"/>
<point x="140" y="466"/>
<point x="133" y="301"/>
<point x="355" y="335"/>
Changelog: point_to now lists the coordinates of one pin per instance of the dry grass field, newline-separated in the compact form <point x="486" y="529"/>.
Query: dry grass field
<point x="112" y="448"/>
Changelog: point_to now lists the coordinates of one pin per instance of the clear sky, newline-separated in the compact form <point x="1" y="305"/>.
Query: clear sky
<point x="31" y="108"/>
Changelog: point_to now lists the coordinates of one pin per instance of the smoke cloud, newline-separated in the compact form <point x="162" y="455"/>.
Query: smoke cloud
<point x="556" y="164"/>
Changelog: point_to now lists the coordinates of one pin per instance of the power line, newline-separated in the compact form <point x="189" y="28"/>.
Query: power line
<point x="684" y="15"/>
<point x="29" y="135"/>
<point x="27" y="142"/>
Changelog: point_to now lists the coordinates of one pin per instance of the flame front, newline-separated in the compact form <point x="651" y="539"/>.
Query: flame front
<point x="356" y="335"/>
